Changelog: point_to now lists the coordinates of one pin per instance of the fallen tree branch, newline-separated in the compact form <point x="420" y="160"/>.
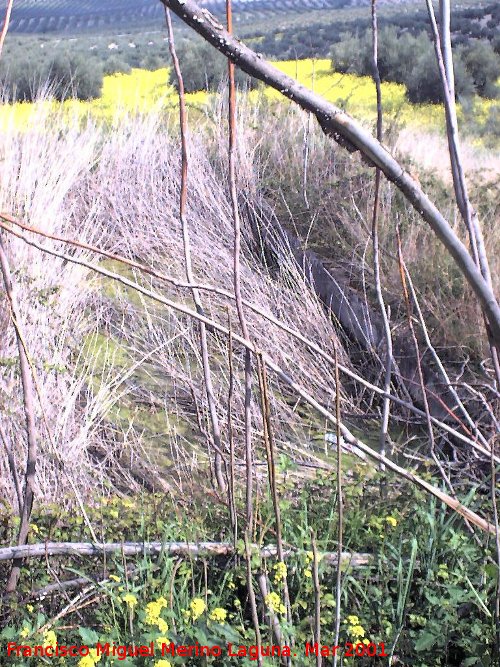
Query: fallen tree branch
<point x="199" y="550"/>
<point x="350" y="134"/>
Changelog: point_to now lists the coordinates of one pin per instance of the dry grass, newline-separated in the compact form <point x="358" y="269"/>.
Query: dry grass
<point x="120" y="378"/>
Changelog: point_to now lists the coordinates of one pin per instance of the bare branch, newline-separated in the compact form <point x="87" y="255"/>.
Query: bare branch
<point x="6" y="22"/>
<point x="195" y="550"/>
<point x="29" y="411"/>
<point x="207" y="375"/>
<point x="343" y="128"/>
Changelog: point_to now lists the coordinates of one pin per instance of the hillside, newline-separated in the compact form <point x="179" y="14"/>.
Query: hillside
<point x="31" y="16"/>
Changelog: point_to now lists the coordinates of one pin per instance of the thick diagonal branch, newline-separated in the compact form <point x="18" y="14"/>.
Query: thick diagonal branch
<point x="348" y="132"/>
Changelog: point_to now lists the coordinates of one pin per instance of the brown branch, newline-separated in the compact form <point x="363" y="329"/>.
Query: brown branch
<point x="340" y="507"/>
<point x="237" y="274"/>
<point x="29" y="412"/>
<point x="375" y="242"/>
<point x="251" y="597"/>
<point x="212" y="408"/>
<point x="6" y="23"/>
<point x="317" y="599"/>
<point x="343" y="128"/>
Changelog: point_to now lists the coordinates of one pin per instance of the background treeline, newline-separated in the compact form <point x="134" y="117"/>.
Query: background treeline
<point x="314" y="38"/>
<point x="71" y="68"/>
<point x="405" y="58"/>
<point x="75" y="66"/>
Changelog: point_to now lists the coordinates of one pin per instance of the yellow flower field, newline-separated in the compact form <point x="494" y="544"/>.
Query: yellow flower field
<point x="143" y="91"/>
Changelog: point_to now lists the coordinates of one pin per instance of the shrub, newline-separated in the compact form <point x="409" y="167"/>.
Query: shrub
<point x="204" y="68"/>
<point x="63" y="76"/>
<point x="409" y="59"/>
<point x="73" y="76"/>
<point x="483" y="64"/>
<point x="115" y="65"/>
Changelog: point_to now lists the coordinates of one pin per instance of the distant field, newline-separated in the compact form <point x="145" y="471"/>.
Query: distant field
<point x="142" y="91"/>
<point x="263" y="16"/>
<point x="33" y="16"/>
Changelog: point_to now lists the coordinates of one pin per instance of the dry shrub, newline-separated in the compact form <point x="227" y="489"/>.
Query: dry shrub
<point x="119" y="376"/>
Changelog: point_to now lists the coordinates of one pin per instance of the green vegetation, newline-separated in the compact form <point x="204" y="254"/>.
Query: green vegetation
<point x="410" y="60"/>
<point x="204" y="68"/>
<point x="428" y="585"/>
<point x="62" y="76"/>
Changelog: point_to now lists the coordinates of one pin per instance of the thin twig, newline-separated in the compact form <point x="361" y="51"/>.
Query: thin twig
<point x="6" y="23"/>
<point x="496" y="524"/>
<point x="29" y="413"/>
<point x="375" y="241"/>
<point x="340" y="508"/>
<point x="439" y="363"/>
<point x="237" y="273"/>
<point x="423" y="388"/>
<point x="271" y="467"/>
<point x="317" y="599"/>
<point x="251" y="598"/>
<point x="218" y="460"/>
<point x="232" y="476"/>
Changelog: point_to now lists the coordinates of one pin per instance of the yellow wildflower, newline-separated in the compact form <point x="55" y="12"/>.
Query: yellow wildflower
<point x="197" y="606"/>
<point x="49" y="638"/>
<point x="90" y="660"/>
<point x="391" y="521"/>
<point x="30" y="608"/>
<point x="218" y="615"/>
<point x="274" y="603"/>
<point x="153" y="611"/>
<point x="113" y="577"/>
<point x="130" y="600"/>
<point x="357" y="630"/>
<point x="352" y="620"/>
<point x="162" y="640"/>
<point x="443" y="571"/>
<point x="24" y="632"/>
<point x="162" y="663"/>
<point x="162" y="625"/>
<point x="280" y="572"/>
<point x="86" y="661"/>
